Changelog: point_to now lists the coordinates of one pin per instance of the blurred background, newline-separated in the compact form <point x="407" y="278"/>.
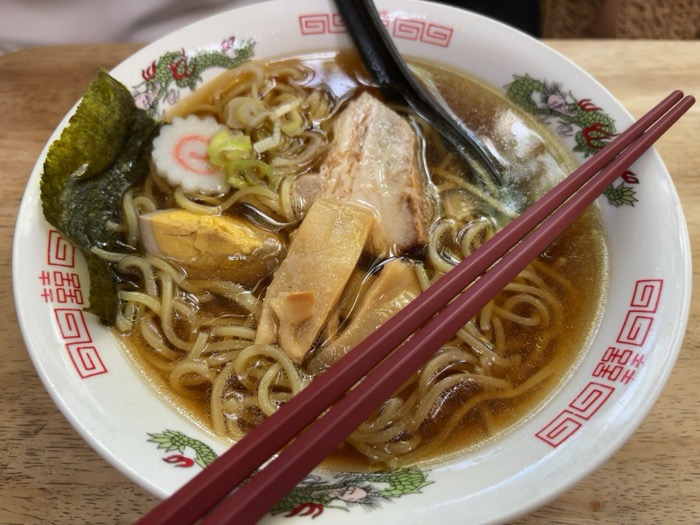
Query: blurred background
<point x="25" y="23"/>
<point x="651" y="19"/>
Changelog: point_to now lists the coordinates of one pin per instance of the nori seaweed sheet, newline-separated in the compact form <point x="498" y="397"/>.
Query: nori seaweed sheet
<point x="104" y="150"/>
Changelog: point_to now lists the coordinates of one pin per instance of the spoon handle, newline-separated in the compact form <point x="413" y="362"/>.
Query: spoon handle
<point x="391" y="74"/>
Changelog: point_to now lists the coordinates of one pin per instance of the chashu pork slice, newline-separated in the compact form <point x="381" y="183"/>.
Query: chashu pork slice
<point x="373" y="160"/>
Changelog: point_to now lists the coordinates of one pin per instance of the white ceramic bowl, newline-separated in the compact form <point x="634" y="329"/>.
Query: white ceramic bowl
<point x="612" y="390"/>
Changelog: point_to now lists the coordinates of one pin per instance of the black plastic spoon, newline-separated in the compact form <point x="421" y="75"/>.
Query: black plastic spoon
<point x="391" y="74"/>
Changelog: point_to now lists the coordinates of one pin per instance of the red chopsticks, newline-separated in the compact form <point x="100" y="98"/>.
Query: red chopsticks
<point x="502" y="258"/>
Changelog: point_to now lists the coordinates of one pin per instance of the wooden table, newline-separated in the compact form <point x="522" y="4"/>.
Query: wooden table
<point x="48" y="474"/>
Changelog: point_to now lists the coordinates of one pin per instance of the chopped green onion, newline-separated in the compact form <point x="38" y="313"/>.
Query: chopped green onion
<point x="271" y="141"/>
<point x="283" y="109"/>
<point x="226" y="147"/>
<point x="234" y="152"/>
<point x="245" y="112"/>
<point x="249" y="172"/>
<point x="292" y="123"/>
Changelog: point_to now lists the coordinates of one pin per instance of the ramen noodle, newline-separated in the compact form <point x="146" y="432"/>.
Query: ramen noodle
<point x="241" y="289"/>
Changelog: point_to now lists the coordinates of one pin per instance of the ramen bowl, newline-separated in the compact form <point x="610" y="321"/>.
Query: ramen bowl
<point x="600" y="403"/>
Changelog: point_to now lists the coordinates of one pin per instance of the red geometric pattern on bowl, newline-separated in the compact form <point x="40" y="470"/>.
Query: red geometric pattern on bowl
<point x="406" y="28"/>
<point x="640" y="318"/>
<point x="59" y="252"/>
<point x="617" y="367"/>
<point x="86" y="359"/>
<point x="61" y="286"/>
<point x="581" y="409"/>
<point x="423" y="31"/>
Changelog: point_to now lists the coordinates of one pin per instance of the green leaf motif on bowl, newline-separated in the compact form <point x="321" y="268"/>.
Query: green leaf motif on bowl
<point x="589" y="125"/>
<point x="173" y="71"/>
<point x="316" y="493"/>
